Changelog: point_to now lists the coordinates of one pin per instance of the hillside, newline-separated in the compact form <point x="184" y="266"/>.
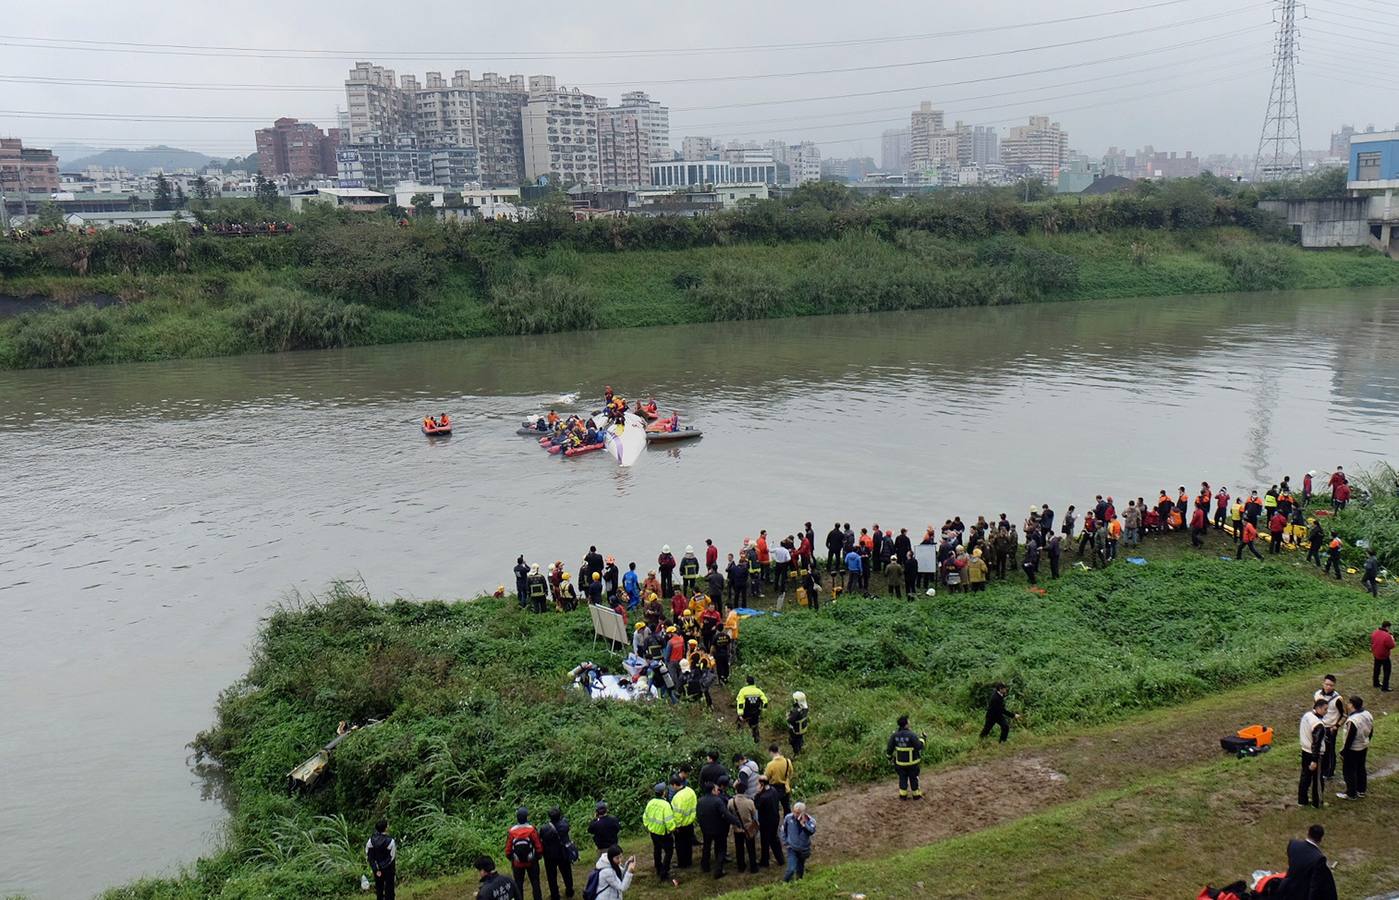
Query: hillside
<point x="140" y="161"/>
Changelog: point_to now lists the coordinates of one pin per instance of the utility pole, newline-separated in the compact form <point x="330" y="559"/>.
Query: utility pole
<point x="1280" y="143"/>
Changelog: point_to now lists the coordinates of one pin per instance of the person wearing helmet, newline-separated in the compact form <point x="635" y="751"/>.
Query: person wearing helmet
<point x="689" y="570"/>
<point x="641" y="636"/>
<point x="568" y="594"/>
<point x="538" y="588"/>
<point x="665" y="564"/>
<point x="594" y="589"/>
<point x="798" y="721"/>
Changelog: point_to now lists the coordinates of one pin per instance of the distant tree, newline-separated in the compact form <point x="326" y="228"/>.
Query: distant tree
<point x="265" y="191"/>
<point x="49" y="215"/>
<point x="422" y="206"/>
<point x="134" y="203"/>
<point x="825" y="194"/>
<point x="201" y="188"/>
<point x="164" y="199"/>
<point x="180" y="200"/>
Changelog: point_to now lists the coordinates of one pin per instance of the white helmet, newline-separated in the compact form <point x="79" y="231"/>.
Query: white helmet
<point x="665" y="549"/>
<point x="689" y="548"/>
<point x="799" y="698"/>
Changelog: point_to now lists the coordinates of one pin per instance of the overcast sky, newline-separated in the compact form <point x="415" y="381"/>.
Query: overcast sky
<point x="1175" y="82"/>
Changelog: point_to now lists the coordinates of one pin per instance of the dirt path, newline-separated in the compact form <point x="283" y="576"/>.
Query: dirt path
<point x="1001" y="784"/>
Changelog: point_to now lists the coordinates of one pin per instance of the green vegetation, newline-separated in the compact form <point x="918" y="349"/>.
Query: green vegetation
<point x="345" y="279"/>
<point x="476" y="719"/>
<point x="1372" y="517"/>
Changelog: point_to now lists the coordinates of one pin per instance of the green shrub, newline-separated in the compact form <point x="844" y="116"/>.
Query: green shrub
<point x="286" y="320"/>
<point x="541" y="305"/>
<point x="373" y="263"/>
<point x="1257" y="267"/>
<point x="67" y="338"/>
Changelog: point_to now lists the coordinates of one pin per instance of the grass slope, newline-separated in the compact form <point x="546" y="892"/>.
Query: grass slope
<point x="478" y="723"/>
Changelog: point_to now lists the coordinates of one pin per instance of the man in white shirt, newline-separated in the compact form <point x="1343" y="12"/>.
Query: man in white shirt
<point x="781" y="562"/>
<point x="1311" y="733"/>
<point x="1354" y="742"/>
<point x="1335" y="712"/>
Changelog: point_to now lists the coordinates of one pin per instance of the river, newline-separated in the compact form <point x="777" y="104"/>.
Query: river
<point x="153" y="512"/>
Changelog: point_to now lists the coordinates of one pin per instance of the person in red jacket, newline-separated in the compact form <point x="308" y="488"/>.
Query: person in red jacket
<point x="1381" y="646"/>
<point x="1276" y="526"/>
<point x="524" y="848"/>
<point x="1221" y="507"/>
<point x="1249" y="536"/>
<point x="711" y="553"/>
<point x="1198" y="524"/>
<point x="1340" y="496"/>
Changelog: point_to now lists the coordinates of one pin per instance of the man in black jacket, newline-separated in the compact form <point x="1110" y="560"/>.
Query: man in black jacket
<point x="382" y="852"/>
<point x="522" y="581"/>
<point x="769" y="804"/>
<point x="712" y="770"/>
<point x="558" y="858"/>
<point x="592" y="562"/>
<point x="714" y="583"/>
<point x="494" y="886"/>
<point x="715" y="822"/>
<point x="604" y="827"/>
<point x="1308" y="875"/>
<point x="835" y="540"/>
<point x="996" y="714"/>
<point x="738" y="582"/>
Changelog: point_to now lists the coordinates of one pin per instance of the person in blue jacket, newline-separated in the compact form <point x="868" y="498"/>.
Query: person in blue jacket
<point x="632" y="586"/>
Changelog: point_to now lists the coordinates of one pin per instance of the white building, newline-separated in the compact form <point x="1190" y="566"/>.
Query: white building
<point x="654" y="122"/>
<point x="698" y="148"/>
<point x="804" y="160"/>
<point x="690" y="172"/>
<point x="405" y="191"/>
<point x="350" y="198"/>
<point x="559" y="127"/>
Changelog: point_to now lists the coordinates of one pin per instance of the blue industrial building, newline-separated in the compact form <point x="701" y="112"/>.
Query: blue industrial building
<point x="1374" y="161"/>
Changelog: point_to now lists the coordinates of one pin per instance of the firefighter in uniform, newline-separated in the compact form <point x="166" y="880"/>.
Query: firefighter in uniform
<point x="748" y="705"/>
<point x="798" y="721"/>
<point x="906" y="750"/>
<point x="538" y="587"/>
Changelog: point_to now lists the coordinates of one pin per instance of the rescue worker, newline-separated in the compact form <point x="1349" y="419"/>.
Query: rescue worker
<point x="738" y="582"/>
<point x="594" y="589"/>
<point x="568" y="595"/>
<point x="748" y="706"/>
<point x="723" y="641"/>
<point x="905" y="750"/>
<point x="1370" y="578"/>
<point x="755" y="570"/>
<point x="689" y="571"/>
<point x="1246" y="539"/>
<point x="665" y="564"/>
<point x="659" y="821"/>
<point x="1276" y="526"/>
<point x="1315" y="538"/>
<point x="798" y="721"/>
<point x="1335" y="712"/>
<point x="1221" y="507"/>
<point x="631" y="584"/>
<point x="1333" y="556"/>
<point x="683" y="801"/>
<point x="1354" y="745"/>
<point x="538" y="589"/>
<point x="1312" y="735"/>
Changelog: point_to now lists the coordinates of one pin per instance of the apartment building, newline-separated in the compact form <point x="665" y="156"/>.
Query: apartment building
<point x="378" y="162"/>
<point x="698" y="148"/>
<point x="804" y="163"/>
<point x="295" y="148"/>
<point x="624" y="146"/>
<point x="924" y="124"/>
<point x="24" y="169"/>
<point x="377" y="105"/>
<point x="895" y="150"/>
<point x="1040" y="147"/>
<point x="559" y="129"/>
<point x="654" y="120"/>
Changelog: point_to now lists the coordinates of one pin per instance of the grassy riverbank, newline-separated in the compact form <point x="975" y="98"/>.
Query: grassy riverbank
<point x="477" y="720"/>
<point x="343" y="280"/>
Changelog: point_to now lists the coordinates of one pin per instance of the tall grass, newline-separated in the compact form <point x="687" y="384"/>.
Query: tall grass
<point x="477" y="719"/>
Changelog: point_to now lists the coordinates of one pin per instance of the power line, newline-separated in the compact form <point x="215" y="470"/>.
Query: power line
<point x="299" y="52"/>
<point x="708" y="79"/>
<point x="1359" y="9"/>
<point x="162" y="85"/>
<point x="981" y="80"/>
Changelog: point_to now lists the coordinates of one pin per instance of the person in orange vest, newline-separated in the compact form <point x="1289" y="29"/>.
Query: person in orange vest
<point x="1183" y="506"/>
<point x="1249" y="536"/>
<point x="764" y="558"/>
<point x="1114" y="535"/>
<point x="1333" y="556"/>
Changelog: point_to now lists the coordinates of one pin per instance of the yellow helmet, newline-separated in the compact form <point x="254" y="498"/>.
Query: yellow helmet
<point x="639" y="626"/>
<point x="566" y="576"/>
<point x="670" y="629"/>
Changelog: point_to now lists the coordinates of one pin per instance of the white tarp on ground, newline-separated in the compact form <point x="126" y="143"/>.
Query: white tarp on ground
<point x="613" y="688"/>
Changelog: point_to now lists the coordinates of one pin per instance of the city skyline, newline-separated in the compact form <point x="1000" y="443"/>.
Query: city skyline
<point x="1110" y="73"/>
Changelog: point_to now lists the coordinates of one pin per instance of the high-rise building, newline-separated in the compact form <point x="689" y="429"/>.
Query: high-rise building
<point x="986" y="146"/>
<point x="560" y="133"/>
<point x="1039" y="148"/>
<point x="698" y="148"/>
<point x="623" y="149"/>
<point x="926" y="123"/>
<point x="1340" y="141"/>
<point x="379" y="162"/>
<point x="895" y="150"/>
<point x="804" y="161"/>
<point x="27" y="169"/>
<point x="654" y="120"/>
<point x="295" y="148"/>
<point x="376" y="103"/>
<point x="482" y="115"/>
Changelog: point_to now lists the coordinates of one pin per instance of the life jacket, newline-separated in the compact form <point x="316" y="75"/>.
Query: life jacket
<point x="800" y="720"/>
<point x="906" y="749"/>
<point x="1335" y="545"/>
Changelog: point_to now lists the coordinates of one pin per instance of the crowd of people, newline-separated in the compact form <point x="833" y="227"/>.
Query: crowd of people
<point x="1337" y="727"/>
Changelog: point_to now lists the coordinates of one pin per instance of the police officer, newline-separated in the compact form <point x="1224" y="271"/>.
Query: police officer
<point x="684" y="802"/>
<point x="659" y="819"/>
<point x="905" y="749"/>
<point x="748" y="705"/>
<point x="798" y="721"/>
<point x="494" y="886"/>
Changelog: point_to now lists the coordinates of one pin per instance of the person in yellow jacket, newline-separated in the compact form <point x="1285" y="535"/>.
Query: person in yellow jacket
<point x="659" y="820"/>
<point x="683" y="802"/>
<point x="749" y="705"/>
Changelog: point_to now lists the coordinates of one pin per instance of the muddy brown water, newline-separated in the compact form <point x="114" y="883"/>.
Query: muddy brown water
<point x="152" y="512"/>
